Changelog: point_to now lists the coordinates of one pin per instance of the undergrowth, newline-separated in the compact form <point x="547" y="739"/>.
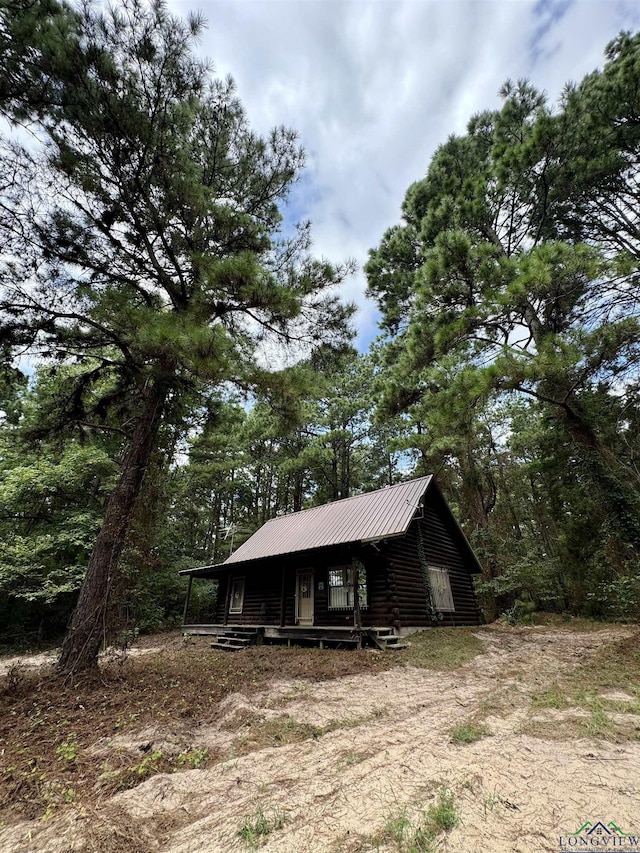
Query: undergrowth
<point x="418" y="834"/>
<point x="599" y="699"/>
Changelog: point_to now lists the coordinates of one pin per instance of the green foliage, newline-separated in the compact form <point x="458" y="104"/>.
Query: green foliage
<point x="618" y="599"/>
<point x="161" y="192"/>
<point x="55" y="794"/>
<point x="309" y="437"/>
<point x="419" y="836"/>
<point x="441" y="816"/>
<point x="599" y="699"/>
<point x="509" y="305"/>
<point x="509" y="297"/>
<point x="194" y="758"/>
<point x="468" y="732"/>
<point x="256" y="829"/>
<point x="442" y="649"/>
<point x="150" y="764"/>
<point x="143" y="245"/>
<point x="51" y="503"/>
<point x="68" y="749"/>
<point x="552" y="697"/>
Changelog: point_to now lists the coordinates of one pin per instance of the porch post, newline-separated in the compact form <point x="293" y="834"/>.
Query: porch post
<point x="282" y="599"/>
<point x="227" y="600"/>
<point x="186" y="601"/>
<point x="357" y="619"/>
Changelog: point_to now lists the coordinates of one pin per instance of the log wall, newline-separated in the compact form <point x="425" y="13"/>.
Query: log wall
<point x="436" y="534"/>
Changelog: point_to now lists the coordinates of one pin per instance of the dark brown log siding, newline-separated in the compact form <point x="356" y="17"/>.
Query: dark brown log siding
<point x="263" y="587"/>
<point x="440" y="541"/>
<point x="321" y="561"/>
<point x="261" y="604"/>
<point x="409" y="606"/>
<point x="223" y="589"/>
<point x="379" y="589"/>
<point x="377" y="610"/>
<point x="441" y="551"/>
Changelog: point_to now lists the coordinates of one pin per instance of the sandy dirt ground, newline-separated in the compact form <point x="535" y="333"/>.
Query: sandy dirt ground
<point x="385" y="750"/>
<point x="28" y="662"/>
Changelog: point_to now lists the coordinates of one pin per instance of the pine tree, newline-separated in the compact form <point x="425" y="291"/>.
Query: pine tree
<point x="514" y="275"/>
<point x="144" y="238"/>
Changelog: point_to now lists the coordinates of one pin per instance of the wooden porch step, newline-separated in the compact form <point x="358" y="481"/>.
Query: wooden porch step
<point x="386" y="639"/>
<point x="395" y="644"/>
<point x="235" y="639"/>
<point x="229" y="645"/>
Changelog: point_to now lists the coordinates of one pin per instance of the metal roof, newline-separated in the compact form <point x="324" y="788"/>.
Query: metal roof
<point x="374" y="515"/>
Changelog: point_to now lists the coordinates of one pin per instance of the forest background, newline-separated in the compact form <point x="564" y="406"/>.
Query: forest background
<point x="149" y="277"/>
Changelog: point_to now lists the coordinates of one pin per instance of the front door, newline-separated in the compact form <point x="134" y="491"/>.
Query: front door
<point x="305" y="597"/>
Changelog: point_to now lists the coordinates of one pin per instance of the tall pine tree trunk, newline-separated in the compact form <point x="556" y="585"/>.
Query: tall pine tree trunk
<point x="88" y="624"/>
<point x="298" y="491"/>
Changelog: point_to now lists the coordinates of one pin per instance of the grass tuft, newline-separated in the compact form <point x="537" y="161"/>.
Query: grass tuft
<point x="468" y="732"/>
<point x="441" y="816"/>
<point x="419" y="836"/>
<point x="258" y="827"/>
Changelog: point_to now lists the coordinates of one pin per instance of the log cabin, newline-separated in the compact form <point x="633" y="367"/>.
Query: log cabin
<point x="369" y="569"/>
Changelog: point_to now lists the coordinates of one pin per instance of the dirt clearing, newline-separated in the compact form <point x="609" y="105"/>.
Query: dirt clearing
<point x="520" y="737"/>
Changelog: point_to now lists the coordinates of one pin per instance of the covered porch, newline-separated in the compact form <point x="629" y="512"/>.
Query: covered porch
<point x="281" y="599"/>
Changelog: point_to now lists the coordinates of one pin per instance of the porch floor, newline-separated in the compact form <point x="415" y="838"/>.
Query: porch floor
<point x="234" y="637"/>
<point x="268" y="629"/>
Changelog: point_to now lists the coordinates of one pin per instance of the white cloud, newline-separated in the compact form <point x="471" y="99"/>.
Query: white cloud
<point x="374" y="86"/>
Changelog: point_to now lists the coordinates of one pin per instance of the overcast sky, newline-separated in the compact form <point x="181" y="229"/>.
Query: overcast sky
<point x="374" y="86"/>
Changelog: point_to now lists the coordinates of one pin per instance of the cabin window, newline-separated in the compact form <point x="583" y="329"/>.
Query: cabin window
<point x="441" y="588"/>
<point x="341" y="587"/>
<point x="237" y="595"/>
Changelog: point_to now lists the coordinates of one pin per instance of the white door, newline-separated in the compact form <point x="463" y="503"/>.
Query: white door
<point x="305" y="597"/>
